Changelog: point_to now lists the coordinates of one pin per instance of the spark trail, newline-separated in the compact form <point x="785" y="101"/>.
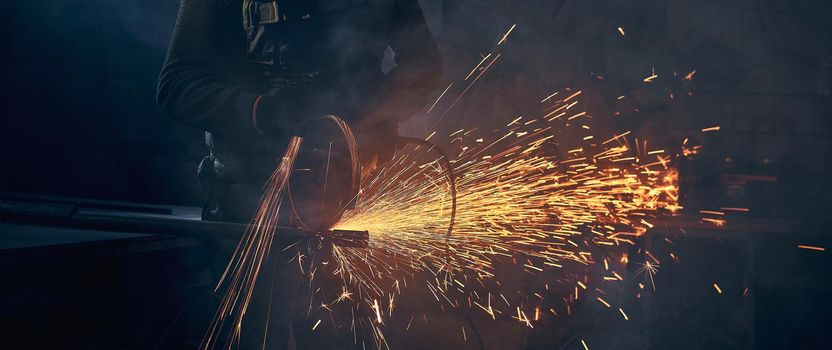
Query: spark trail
<point x="524" y="207"/>
<point x="520" y="203"/>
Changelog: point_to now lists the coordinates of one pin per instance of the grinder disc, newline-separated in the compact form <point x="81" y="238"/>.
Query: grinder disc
<point x="325" y="179"/>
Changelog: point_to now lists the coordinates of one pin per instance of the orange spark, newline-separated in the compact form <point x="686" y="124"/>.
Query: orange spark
<point x="506" y="35"/>
<point x="623" y="314"/>
<point x="652" y="76"/>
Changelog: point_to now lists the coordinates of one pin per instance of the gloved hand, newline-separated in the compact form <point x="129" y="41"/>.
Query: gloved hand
<point x="288" y="111"/>
<point x="378" y="144"/>
<point x="291" y="110"/>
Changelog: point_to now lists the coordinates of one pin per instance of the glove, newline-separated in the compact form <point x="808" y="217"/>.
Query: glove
<point x="288" y="111"/>
<point x="378" y="144"/>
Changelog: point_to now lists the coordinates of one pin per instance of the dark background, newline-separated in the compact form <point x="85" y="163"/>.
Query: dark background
<point x="80" y="117"/>
<point x="77" y="86"/>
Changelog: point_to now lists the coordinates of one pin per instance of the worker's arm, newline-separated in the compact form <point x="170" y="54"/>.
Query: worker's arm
<point x="418" y="67"/>
<point x="203" y="84"/>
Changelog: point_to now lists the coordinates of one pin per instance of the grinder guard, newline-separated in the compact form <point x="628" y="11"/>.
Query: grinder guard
<point x="326" y="177"/>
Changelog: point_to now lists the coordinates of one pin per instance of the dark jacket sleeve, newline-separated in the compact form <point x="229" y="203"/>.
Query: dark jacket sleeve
<point x="195" y="86"/>
<point x="418" y="66"/>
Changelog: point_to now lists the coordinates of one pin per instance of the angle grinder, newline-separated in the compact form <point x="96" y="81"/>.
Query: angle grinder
<point x="326" y="178"/>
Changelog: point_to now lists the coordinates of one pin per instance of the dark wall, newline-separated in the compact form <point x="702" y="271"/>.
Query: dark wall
<point x="762" y="73"/>
<point x="79" y="114"/>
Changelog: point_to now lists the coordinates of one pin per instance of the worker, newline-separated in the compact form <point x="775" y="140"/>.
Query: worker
<point x="252" y="73"/>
